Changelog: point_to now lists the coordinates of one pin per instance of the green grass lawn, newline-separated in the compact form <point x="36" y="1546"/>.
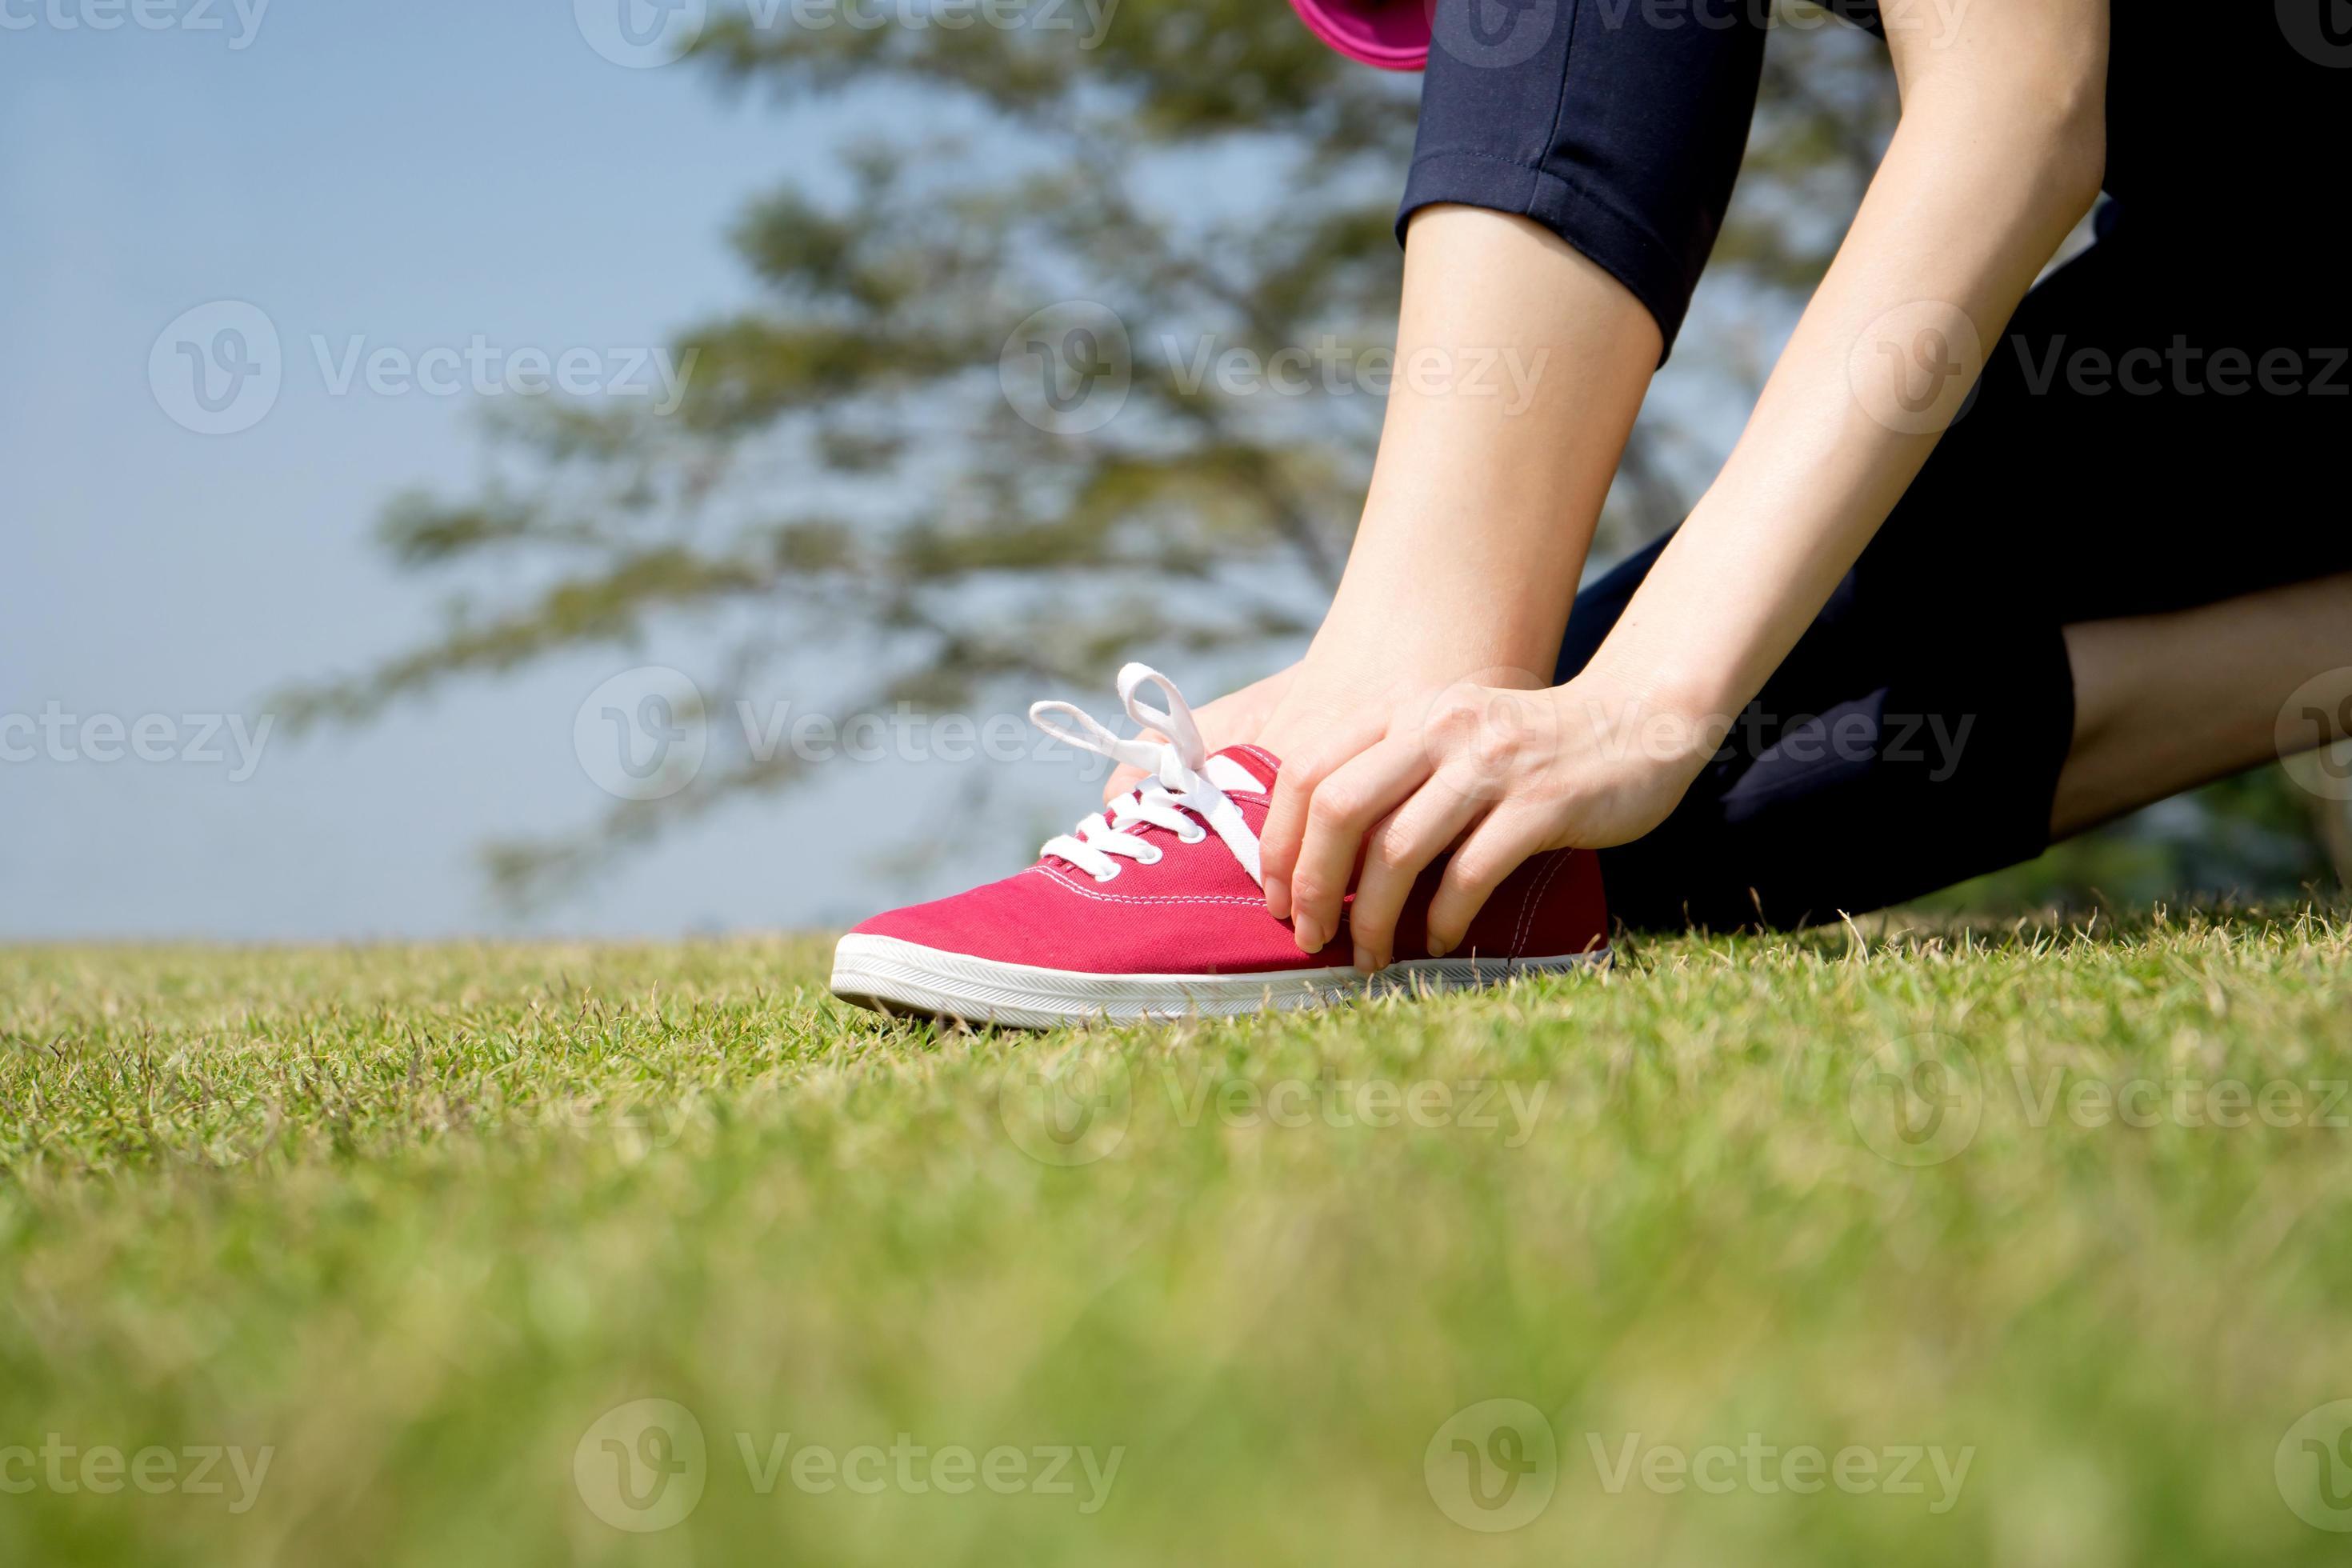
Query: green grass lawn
<point x="1941" y="1245"/>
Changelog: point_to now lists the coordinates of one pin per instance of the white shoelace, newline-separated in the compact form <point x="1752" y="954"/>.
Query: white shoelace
<point x="1188" y="780"/>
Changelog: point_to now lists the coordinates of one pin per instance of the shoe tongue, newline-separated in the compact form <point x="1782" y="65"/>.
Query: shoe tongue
<point x="1248" y="769"/>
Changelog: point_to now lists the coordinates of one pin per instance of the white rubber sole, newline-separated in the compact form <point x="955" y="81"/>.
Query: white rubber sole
<point x="895" y="976"/>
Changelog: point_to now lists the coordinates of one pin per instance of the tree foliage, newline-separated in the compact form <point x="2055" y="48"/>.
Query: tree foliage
<point x="849" y="496"/>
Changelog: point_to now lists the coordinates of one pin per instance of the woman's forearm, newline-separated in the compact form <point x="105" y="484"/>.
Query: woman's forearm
<point x="1985" y="176"/>
<point x="1520" y="365"/>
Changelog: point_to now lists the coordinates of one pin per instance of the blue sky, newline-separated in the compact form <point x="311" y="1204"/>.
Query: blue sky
<point x="412" y="175"/>
<point x="401" y="184"/>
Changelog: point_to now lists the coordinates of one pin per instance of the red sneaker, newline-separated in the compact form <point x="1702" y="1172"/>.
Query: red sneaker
<point x="1155" y="909"/>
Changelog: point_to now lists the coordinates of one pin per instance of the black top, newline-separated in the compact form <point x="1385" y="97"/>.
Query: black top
<point x="1619" y="124"/>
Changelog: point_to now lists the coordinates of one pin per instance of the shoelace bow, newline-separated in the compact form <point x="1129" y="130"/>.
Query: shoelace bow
<point x="1180" y="767"/>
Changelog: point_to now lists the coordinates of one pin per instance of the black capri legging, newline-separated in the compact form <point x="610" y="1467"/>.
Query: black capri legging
<point x="2160" y="429"/>
<point x="1915" y="735"/>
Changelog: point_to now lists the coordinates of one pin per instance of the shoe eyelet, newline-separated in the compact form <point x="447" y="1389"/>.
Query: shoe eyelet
<point x="1106" y="876"/>
<point x="1153" y="858"/>
<point x="1192" y="836"/>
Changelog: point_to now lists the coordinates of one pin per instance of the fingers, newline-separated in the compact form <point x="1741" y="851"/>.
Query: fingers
<point x="1495" y="848"/>
<point x="1285" y="819"/>
<point x="1342" y="810"/>
<point x="1399" y="849"/>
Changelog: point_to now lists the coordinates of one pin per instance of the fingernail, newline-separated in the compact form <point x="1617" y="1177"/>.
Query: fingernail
<point x="1364" y="959"/>
<point x="1311" y="935"/>
<point x="1438" y="949"/>
<point x="1278" y="897"/>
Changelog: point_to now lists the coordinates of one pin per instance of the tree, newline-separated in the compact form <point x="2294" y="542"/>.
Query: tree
<point x="911" y="451"/>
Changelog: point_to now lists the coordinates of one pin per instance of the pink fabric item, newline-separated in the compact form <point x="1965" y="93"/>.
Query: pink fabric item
<point x="1196" y="912"/>
<point x="1391" y="34"/>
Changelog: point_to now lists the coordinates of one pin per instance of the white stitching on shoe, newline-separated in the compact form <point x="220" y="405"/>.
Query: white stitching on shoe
<point x="1532" y="899"/>
<point x="1062" y="880"/>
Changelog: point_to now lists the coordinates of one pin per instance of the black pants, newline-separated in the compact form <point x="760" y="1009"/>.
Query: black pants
<point x="2153" y="434"/>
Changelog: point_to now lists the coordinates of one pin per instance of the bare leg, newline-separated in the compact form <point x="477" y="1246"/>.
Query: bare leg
<point x="2163" y="703"/>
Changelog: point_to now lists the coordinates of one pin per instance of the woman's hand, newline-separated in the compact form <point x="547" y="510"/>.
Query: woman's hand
<point x="1494" y="773"/>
